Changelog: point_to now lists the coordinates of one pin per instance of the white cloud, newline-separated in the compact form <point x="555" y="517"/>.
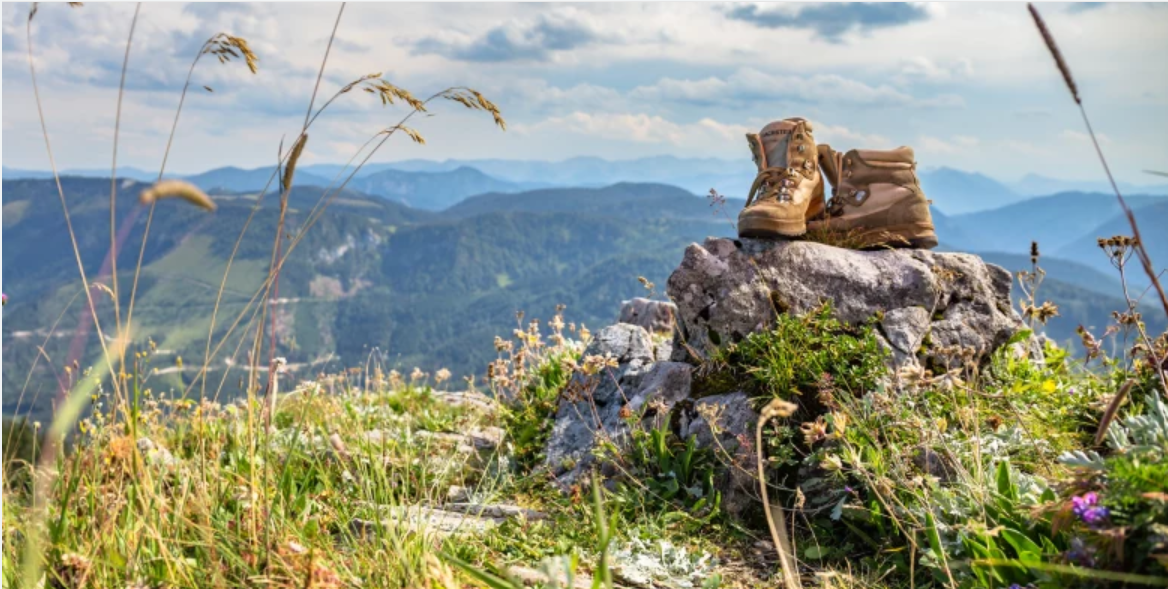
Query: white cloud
<point x="647" y="75"/>
<point x="955" y="144"/>
<point x="753" y="85"/>
<point x="845" y="138"/>
<point x="638" y="128"/>
<point x="923" y="68"/>
<point x="1081" y="137"/>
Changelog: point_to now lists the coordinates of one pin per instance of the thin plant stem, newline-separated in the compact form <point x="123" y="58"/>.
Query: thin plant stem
<point x="1145" y="260"/>
<point x="114" y="181"/>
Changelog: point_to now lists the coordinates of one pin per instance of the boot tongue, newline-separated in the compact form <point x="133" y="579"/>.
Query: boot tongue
<point x="775" y="139"/>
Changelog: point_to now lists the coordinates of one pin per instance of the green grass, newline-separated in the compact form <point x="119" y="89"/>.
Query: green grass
<point x="956" y="480"/>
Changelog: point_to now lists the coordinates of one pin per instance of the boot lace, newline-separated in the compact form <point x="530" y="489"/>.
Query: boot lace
<point x="776" y="183"/>
<point x="835" y="205"/>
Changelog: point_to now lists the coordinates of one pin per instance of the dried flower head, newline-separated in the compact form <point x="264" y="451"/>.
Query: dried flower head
<point x="1041" y="313"/>
<point x="227" y="47"/>
<point x="177" y="189"/>
<point x="1129" y="318"/>
<point x="814" y="431"/>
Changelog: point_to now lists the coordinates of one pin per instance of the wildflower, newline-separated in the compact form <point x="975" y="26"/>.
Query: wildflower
<point x="832" y="462"/>
<point x="1087" y="509"/>
<point x="839" y="423"/>
<point x="417" y="374"/>
<point x="441" y="375"/>
<point x="814" y="431"/>
<point x="1080" y="553"/>
<point x="3" y="299"/>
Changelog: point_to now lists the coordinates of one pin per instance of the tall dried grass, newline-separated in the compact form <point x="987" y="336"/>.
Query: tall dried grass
<point x="249" y="324"/>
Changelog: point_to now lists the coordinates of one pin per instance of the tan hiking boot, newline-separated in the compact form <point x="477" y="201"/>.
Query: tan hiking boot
<point x="876" y="193"/>
<point x="788" y="182"/>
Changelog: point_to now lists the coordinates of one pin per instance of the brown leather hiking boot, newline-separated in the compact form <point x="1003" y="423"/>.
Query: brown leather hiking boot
<point x="788" y="181"/>
<point x="878" y="194"/>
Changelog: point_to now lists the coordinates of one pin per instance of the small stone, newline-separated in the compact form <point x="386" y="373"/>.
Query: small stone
<point x="653" y="316"/>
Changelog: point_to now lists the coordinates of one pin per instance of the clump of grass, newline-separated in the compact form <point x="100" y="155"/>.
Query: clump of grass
<point x="789" y="360"/>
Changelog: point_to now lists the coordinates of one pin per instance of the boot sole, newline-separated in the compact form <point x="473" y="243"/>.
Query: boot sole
<point x="766" y="227"/>
<point x="908" y="235"/>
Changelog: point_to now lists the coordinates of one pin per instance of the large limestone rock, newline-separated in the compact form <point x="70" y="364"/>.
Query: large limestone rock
<point x="726" y="289"/>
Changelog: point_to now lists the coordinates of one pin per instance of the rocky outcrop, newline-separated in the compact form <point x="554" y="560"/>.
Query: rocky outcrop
<point x="725" y="289"/>
<point x="924" y="305"/>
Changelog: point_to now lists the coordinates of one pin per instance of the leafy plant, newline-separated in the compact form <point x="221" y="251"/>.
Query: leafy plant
<point x="675" y="472"/>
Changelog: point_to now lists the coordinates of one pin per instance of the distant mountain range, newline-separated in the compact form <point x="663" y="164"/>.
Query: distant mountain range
<point x="432" y="288"/>
<point x="1035" y="185"/>
<point x="436" y="185"/>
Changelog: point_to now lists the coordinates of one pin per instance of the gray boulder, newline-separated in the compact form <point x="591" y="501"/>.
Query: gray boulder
<point x="726" y="289"/>
<point x="590" y="408"/>
<point x="731" y="438"/>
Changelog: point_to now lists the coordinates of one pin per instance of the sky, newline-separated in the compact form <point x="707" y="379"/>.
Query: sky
<point x="968" y="85"/>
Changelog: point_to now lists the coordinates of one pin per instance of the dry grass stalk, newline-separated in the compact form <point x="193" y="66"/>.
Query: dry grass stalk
<point x="177" y="189"/>
<point x="783" y="546"/>
<point x="1112" y="410"/>
<point x="290" y="167"/>
<point x="1054" y="51"/>
<point x="1145" y="260"/>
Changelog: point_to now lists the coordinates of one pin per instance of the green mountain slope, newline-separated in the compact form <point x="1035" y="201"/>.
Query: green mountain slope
<point x="373" y="277"/>
<point x="1053" y="221"/>
<point x="1152" y="220"/>
<point x="371" y="274"/>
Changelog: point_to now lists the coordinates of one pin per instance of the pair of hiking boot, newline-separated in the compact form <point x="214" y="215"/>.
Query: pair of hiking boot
<point x="876" y="197"/>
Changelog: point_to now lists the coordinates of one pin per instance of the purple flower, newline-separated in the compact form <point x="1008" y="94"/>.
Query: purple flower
<point x="1087" y="509"/>
<point x="1081" y="554"/>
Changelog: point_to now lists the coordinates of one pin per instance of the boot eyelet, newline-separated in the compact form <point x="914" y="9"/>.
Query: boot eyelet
<point x="802" y="148"/>
<point x="861" y="195"/>
<point x="847" y="173"/>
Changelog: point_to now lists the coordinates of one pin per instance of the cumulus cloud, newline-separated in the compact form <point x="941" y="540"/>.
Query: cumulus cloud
<point x="751" y="85"/>
<point x="533" y="40"/>
<point x="833" y="20"/>
<point x="636" y="127"/>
